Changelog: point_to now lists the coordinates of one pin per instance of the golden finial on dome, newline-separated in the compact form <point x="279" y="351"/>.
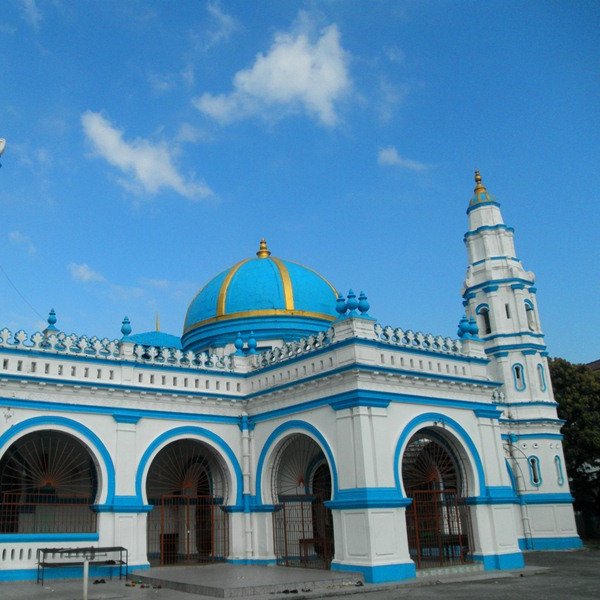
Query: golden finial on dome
<point x="263" y="251"/>
<point x="479" y="187"/>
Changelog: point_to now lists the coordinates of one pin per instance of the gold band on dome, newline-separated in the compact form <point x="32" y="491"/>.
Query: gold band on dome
<point x="269" y="312"/>
<point x="225" y="285"/>
<point x="288" y="292"/>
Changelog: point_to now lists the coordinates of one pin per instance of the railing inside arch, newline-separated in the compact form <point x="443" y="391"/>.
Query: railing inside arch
<point x="303" y="532"/>
<point x="46" y="513"/>
<point x="188" y="529"/>
<point x="438" y="527"/>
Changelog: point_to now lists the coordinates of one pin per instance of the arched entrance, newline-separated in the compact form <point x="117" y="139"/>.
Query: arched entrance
<point x="48" y="484"/>
<point x="187" y="486"/>
<point x="302" y="524"/>
<point x="438" y="520"/>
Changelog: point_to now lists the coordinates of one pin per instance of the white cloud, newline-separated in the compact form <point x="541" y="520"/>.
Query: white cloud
<point x="82" y="272"/>
<point x="16" y="237"/>
<point x="31" y="13"/>
<point x="390" y="156"/>
<point x="149" y="166"/>
<point x="223" y="25"/>
<point x="295" y="74"/>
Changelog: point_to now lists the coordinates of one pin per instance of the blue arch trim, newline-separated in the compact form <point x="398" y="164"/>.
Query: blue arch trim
<point x="451" y="424"/>
<point x="275" y="434"/>
<point x="189" y="430"/>
<point x="92" y="438"/>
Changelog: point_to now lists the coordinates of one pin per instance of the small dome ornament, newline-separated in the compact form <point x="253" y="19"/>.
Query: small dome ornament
<point x="263" y="251"/>
<point x="363" y="305"/>
<point x="340" y="305"/>
<point x="252" y="343"/>
<point x="351" y="303"/>
<point x="126" y="326"/>
<point x="239" y="345"/>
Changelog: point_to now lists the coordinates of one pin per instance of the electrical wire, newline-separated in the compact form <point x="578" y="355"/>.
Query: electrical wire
<point x="21" y="295"/>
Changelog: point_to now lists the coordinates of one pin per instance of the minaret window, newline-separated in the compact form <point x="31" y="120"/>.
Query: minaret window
<point x="519" y="377"/>
<point x="541" y="377"/>
<point x="530" y="312"/>
<point x="560" y="478"/>
<point x="484" y="319"/>
<point x="507" y="309"/>
<point x="534" y="470"/>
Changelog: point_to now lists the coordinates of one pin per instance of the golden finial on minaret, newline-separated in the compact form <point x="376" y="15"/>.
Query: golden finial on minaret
<point x="157" y="321"/>
<point x="263" y="251"/>
<point x="479" y="187"/>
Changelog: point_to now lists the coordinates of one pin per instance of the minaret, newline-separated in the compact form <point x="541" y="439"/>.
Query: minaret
<point x="501" y="295"/>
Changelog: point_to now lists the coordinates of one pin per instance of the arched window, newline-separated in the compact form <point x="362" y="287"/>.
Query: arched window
<point x="541" y="377"/>
<point x="485" y="325"/>
<point x="530" y="312"/>
<point x="534" y="471"/>
<point x="519" y="377"/>
<point x="560" y="478"/>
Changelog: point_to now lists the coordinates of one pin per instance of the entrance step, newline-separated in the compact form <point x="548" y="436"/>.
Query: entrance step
<point x="240" y="581"/>
<point x="450" y="570"/>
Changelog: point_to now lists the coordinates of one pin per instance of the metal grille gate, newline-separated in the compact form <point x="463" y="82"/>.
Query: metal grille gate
<point x="437" y="527"/>
<point x="188" y="529"/>
<point x="303" y="533"/>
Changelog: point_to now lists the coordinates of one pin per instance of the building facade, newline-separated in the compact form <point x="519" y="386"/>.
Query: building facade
<point x="286" y="426"/>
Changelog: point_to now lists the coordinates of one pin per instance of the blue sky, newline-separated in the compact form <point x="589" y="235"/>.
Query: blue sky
<point x="150" y="145"/>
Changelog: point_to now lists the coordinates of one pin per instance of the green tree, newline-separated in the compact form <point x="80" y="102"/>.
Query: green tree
<point x="577" y="391"/>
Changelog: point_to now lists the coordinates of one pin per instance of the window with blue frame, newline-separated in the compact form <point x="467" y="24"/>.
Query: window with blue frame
<point x="535" y="474"/>
<point x="519" y="377"/>
<point x="485" y="324"/>
<point x="560" y="478"/>
<point x="541" y="377"/>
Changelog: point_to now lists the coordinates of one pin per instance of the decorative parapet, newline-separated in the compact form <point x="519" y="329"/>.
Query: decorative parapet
<point x="293" y="349"/>
<point x="422" y="341"/>
<point x="82" y="346"/>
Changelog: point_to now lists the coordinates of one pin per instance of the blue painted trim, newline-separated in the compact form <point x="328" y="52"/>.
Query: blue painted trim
<point x="93" y="439"/>
<point x="548" y="403"/>
<point x="359" y="400"/>
<point x="491" y="412"/>
<point x="487" y="338"/>
<point x="491" y="288"/>
<point x="380" y="573"/>
<point x="529" y="352"/>
<point x="497" y="494"/>
<point x="66" y="572"/>
<point x="533" y="436"/>
<point x="473" y="207"/>
<point x="498" y="227"/>
<point x="367" y="395"/>
<point x="121" y="416"/>
<point x="303" y="426"/>
<point x="27" y="538"/>
<point x="517" y="286"/>
<point x="550" y="543"/>
<point x="123" y="504"/>
<point x="252" y="561"/>
<point x="124" y="412"/>
<point x="191" y="431"/>
<point x="506" y="280"/>
<point x="388" y="497"/>
<point x="494" y="349"/>
<point x="546" y="498"/>
<point x="478" y="262"/>
<point x="413" y="426"/>
<point x="492" y="562"/>
<point x="511" y="475"/>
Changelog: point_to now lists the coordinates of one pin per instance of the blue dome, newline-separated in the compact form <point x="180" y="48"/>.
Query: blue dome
<point x="274" y="298"/>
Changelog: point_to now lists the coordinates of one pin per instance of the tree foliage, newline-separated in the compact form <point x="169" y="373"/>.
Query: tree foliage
<point x="577" y="391"/>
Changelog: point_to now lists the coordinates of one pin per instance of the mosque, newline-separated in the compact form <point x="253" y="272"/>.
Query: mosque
<point x="286" y="426"/>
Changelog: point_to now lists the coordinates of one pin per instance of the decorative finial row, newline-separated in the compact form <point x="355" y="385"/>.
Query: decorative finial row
<point x="468" y="329"/>
<point x="347" y="307"/>
<point x="250" y="344"/>
<point x="263" y="251"/>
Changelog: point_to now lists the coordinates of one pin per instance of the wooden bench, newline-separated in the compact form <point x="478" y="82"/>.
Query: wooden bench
<point x="53" y="558"/>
